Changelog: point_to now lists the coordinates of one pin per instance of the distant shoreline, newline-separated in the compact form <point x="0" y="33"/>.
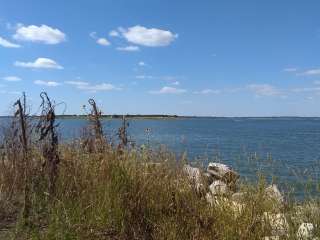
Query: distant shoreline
<point x="163" y="116"/>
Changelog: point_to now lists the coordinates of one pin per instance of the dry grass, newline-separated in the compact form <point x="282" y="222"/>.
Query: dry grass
<point x="104" y="193"/>
<point x="135" y="195"/>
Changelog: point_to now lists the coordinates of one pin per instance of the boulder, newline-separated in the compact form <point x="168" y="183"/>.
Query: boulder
<point x="194" y="176"/>
<point x="207" y="178"/>
<point x="278" y="223"/>
<point x="305" y="231"/>
<point x="219" y="188"/>
<point x="271" y="238"/>
<point x="236" y="207"/>
<point x="222" y="172"/>
<point x="274" y="193"/>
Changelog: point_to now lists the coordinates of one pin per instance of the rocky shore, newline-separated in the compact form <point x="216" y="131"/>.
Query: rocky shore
<point x="219" y="184"/>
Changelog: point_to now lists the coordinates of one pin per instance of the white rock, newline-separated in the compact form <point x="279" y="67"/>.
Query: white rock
<point x="271" y="238"/>
<point x="273" y="192"/>
<point x="208" y="179"/>
<point x="222" y="172"/>
<point x="278" y="223"/>
<point x="305" y="231"/>
<point x="194" y="176"/>
<point x="218" y="188"/>
<point x="220" y="200"/>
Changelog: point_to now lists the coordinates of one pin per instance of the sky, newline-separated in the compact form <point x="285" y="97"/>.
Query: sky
<point x="204" y="58"/>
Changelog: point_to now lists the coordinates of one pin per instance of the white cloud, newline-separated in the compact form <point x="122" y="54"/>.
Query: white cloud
<point x="311" y="72"/>
<point x="142" y="64"/>
<point x="47" y="83"/>
<point x="114" y="33"/>
<point x="39" y="63"/>
<point x="208" y="91"/>
<point x="173" y="80"/>
<point x="103" y="42"/>
<point x="129" y="48"/>
<point x="306" y="89"/>
<point x="100" y="41"/>
<point x="77" y="83"/>
<point x="5" y="43"/>
<point x="12" y="79"/>
<point x="92" y="88"/>
<point x="98" y="87"/>
<point x="264" y="90"/>
<point x="149" y="37"/>
<point x="42" y="34"/>
<point x="290" y="69"/>
<point x="169" y="90"/>
<point x="176" y="83"/>
<point x="144" y="77"/>
<point x="309" y="98"/>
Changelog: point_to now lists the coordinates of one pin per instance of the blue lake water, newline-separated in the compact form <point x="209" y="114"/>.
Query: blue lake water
<point x="288" y="148"/>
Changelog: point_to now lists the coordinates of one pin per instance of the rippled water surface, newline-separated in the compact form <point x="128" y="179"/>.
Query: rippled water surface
<point x="286" y="147"/>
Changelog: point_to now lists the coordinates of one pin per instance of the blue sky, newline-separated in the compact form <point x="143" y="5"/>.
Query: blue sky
<point x="221" y="58"/>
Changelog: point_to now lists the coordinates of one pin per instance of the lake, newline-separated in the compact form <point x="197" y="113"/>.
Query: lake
<point x="288" y="148"/>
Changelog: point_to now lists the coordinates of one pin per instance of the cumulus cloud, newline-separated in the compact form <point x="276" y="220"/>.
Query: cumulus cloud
<point x="311" y="72"/>
<point x="169" y="90"/>
<point x="264" y="90"/>
<point x="42" y="34"/>
<point x="129" y="48"/>
<point x="173" y="80"/>
<point x="144" y="77"/>
<point x="47" y="83"/>
<point x="306" y="89"/>
<point x="77" y="83"/>
<point x="176" y="83"/>
<point x="5" y="43"/>
<point x="142" y="64"/>
<point x="208" y="91"/>
<point x="92" y="88"/>
<point x="290" y="69"/>
<point x="149" y="37"/>
<point x="39" y="63"/>
<point x="114" y="33"/>
<point x="103" y="42"/>
<point x="100" y="40"/>
<point x="98" y="87"/>
<point x="12" y="78"/>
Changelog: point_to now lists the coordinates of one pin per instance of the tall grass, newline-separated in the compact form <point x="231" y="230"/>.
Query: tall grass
<point x="111" y="192"/>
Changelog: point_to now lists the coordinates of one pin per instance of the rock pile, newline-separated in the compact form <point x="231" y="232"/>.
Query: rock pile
<point x="219" y="184"/>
